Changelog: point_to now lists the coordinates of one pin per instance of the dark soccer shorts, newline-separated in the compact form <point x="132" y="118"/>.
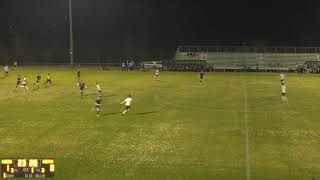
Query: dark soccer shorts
<point x="283" y="94"/>
<point x="127" y="107"/>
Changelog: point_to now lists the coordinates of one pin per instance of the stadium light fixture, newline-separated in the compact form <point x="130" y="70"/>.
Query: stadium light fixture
<point x="71" y="51"/>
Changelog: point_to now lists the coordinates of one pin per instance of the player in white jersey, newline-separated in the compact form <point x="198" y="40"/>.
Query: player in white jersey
<point x="157" y="74"/>
<point x="6" y="70"/>
<point x="98" y="87"/>
<point x="15" y="64"/>
<point x="127" y="103"/>
<point x="24" y="83"/>
<point x="283" y="92"/>
<point x="282" y="77"/>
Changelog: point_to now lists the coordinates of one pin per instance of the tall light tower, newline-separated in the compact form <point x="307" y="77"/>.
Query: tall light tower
<point x="71" y="51"/>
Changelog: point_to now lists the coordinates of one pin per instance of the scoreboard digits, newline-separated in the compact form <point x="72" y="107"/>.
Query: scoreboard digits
<point x="27" y="168"/>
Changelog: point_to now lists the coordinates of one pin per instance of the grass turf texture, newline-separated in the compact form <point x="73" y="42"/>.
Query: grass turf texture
<point x="177" y="129"/>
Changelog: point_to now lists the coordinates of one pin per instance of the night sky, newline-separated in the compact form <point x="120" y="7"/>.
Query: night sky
<point x="146" y="28"/>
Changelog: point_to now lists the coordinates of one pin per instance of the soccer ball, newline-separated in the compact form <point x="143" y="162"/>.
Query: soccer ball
<point x="77" y="84"/>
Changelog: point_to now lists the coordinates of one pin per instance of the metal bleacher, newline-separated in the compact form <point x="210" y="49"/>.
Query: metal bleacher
<point x="242" y="57"/>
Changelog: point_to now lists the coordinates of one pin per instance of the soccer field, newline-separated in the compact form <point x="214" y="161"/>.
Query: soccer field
<point x="232" y="127"/>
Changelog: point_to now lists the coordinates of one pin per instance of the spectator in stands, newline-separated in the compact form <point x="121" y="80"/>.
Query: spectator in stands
<point x="127" y="65"/>
<point x="131" y="65"/>
<point x="141" y="67"/>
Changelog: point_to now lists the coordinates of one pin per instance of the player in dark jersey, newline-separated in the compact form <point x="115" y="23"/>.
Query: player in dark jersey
<point x="201" y="76"/>
<point x="38" y="78"/>
<point x="18" y="81"/>
<point x="98" y="105"/>
<point x="82" y="87"/>
<point x="78" y="75"/>
<point x="48" y="79"/>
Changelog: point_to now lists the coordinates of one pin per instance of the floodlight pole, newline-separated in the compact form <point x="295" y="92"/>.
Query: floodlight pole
<point x="71" y="51"/>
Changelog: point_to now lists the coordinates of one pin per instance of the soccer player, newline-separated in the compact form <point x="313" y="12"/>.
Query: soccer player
<point x="284" y="91"/>
<point x="82" y="87"/>
<point x="127" y="103"/>
<point x="15" y="64"/>
<point x="201" y="76"/>
<point x="98" y="105"/>
<point x="24" y="83"/>
<point x="38" y="78"/>
<point x="157" y="74"/>
<point x="18" y="81"/>
<point x="99" y="90"/>
<point x="282" y="77"/>
<point x="48" y="79"/>
<point x="6" y="70"/>
<point x="78" y="75"/>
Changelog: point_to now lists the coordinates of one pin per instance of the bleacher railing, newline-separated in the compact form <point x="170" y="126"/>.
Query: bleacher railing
<point x="248" y="49"/>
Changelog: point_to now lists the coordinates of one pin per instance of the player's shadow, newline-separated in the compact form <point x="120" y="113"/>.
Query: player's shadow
<point x="142" y="113"/>
<point x="109" y="114"/>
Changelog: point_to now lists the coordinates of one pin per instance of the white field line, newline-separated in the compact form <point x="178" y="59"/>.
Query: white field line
<point x="172" y="104"/>
<point x="248" y="174"/>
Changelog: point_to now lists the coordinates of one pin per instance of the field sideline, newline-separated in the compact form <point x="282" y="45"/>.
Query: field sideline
<point x="233" y="124"/>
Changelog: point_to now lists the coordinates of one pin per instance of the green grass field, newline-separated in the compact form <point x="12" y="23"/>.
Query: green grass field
<point x="177" y="129"/>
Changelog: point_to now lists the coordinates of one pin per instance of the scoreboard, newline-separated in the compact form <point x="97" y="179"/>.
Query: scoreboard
<point x="27" y="168"/>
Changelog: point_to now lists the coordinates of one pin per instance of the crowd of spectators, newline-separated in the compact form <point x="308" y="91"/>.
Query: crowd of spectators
<point x="298" y="68"/>
<point x="307" y="68"/>
<point x="128" y="65"/>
